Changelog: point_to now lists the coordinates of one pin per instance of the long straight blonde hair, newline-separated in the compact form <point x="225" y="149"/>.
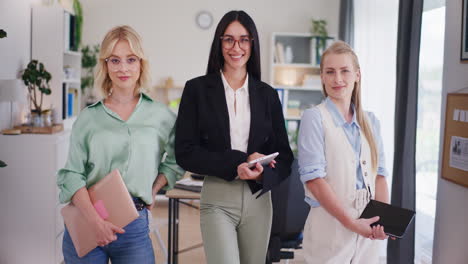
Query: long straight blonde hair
<point x="340" y="47"/>
<point x="103" y="83"/>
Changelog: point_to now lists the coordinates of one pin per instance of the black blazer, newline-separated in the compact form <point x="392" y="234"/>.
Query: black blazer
<point x="203" y="141"/>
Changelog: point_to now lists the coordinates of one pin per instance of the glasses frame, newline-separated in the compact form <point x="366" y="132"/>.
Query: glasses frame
<point x="116" y="68"/>
<point x="251" y="39"/>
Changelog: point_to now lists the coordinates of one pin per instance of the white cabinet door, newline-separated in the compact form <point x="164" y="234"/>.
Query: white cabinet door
<point x="28" y="197"/>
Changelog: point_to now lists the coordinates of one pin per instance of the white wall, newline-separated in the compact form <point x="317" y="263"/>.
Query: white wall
<point x="451" y="232"/>
<point x="15" y="19"/>
<point x="178" y="48"/>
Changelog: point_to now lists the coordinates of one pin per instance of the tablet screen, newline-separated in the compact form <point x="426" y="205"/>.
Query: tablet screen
<point x="395" y="220"/>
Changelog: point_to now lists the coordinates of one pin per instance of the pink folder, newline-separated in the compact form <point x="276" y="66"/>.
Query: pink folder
<point x="113" y="203"/>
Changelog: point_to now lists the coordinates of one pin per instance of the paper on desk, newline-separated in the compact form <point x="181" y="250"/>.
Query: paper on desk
<point x="190" y="182"/>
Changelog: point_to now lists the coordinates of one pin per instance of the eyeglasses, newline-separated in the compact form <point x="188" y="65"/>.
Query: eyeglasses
<point x="115" y="63"/>
<point x="228" y="42"/>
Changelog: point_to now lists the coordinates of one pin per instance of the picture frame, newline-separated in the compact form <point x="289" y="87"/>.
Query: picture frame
<point x="464" y="33"/>
<point x="455" y="144"/>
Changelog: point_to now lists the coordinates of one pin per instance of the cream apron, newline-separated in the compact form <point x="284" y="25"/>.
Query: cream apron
<point x="326" y="240"/>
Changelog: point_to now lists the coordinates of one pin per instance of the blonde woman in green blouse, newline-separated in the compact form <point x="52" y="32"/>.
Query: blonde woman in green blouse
<point x="128" y="131"/>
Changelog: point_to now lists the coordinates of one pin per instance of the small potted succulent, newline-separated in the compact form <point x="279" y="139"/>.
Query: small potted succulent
<point x="37" y="79"/>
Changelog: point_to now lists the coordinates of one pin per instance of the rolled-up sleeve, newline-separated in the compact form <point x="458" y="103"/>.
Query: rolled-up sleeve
<point x="381" y="168"/>
<point x="169" y="167"/>
<point x="311" y="154"/>
<point x="72" y="177"/>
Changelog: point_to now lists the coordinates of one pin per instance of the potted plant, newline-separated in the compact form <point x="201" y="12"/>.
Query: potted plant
<point x="320" y="34"/>
<point x="88" y="62"/>
<point x="3" y="33"/>
<point x="78" y="22"/>
<point x="37" y="79"/>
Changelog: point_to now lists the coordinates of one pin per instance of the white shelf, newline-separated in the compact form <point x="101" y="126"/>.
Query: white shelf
<point x="75" y="81"/>
<point x="72" y="53"/>
<point x="303" y="88"/>
<point x="292" y="117"/>
<point x="296" y="65"/>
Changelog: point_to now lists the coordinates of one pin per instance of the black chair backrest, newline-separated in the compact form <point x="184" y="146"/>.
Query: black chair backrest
<point x="289" y="208"/>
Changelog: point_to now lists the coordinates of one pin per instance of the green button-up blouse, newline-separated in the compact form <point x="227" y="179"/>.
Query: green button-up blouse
<point x="101" y="142"/>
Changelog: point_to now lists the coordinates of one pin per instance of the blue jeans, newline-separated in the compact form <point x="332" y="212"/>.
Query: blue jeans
<point x="134" y="246"/>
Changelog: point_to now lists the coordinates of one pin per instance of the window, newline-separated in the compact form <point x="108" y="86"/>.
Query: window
<point x="428" y="126"/>
<point x="375" y="34"/>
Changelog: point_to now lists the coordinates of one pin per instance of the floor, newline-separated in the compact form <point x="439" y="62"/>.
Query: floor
<point x="189" y="234"/>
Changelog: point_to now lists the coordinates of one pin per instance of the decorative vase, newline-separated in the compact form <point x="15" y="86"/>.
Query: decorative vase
<point x="47" y="119"/>
<point x="37" y="120"/>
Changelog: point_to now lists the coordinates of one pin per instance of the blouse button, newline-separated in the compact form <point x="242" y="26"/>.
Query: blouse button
<point x="364" y="162"/>
<point x="365" y="174"/>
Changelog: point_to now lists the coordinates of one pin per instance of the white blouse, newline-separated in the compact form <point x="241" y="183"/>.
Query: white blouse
<point x="238" y="105"/>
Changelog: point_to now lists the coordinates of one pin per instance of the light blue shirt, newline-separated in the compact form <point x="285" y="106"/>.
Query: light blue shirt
<point x="311" y="144"/>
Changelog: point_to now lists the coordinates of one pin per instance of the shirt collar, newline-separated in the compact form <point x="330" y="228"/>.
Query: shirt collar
<point x="244" y="87"/>
<point x="337" y="116"/>
<point x="143" y="96"/>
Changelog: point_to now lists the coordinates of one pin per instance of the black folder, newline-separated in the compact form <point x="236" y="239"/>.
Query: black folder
<point x="395" y="220"/>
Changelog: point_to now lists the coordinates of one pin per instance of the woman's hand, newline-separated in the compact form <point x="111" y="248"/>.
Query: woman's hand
<point x="246" y="173"/>
<point x="379" y="233"/>
<point x="160" y="182"/>
<point x="362" y="226"/>
<point x="257" y="155"/>
<point x="105" y="231"/>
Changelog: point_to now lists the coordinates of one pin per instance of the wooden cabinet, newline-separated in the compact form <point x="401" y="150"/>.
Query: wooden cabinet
<point x="31" y="225"/>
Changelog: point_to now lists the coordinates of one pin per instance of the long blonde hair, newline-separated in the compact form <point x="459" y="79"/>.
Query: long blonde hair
<point x="340" y="47"/>
<point x="103" y="83"/>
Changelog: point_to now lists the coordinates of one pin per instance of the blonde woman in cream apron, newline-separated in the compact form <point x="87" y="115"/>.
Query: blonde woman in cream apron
<point x="341" y="164"/>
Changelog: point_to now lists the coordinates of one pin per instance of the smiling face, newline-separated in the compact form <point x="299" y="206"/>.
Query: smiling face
<point x="339" y="76"/>
<point x="236" y="46"/>
<point x="123" y="66"/>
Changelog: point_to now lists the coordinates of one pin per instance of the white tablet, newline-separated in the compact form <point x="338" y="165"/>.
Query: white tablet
<point x="265" y="160"/>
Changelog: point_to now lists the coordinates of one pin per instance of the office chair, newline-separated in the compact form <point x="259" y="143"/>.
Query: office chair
<point x="289" y="215"/>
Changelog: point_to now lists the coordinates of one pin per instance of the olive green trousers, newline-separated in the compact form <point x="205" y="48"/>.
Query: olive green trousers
<point x="235" y="224"/>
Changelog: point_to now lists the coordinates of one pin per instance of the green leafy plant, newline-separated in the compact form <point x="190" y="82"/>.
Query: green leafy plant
<point x="78" y="22"/>
<point x="2" y="164"/>
<point x="319" y="29"/>
<point x="37" y="79"/>
<point x="88" y="62"/>
<point x="3" y="33"/>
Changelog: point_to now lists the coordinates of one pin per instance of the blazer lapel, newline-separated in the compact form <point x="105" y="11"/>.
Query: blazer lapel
<point x="217" y="98"/>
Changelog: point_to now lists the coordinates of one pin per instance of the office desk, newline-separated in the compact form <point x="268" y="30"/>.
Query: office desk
<point x="174" y="196"/>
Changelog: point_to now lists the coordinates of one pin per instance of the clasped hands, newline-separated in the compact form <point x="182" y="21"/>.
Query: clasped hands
<point x="255" y="173"/>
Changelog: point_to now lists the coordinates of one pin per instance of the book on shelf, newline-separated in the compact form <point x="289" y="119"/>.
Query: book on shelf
<point x="313" y="51"/>
<point x="70" y="32"/>
<point x="64" y="100"/>
<point x="280" y="94"/>
<point x="70" y="101"/>
<point x="280" y="52"/>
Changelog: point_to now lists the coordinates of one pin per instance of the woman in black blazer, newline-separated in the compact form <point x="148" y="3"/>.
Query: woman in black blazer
<point x="227" y="118"/>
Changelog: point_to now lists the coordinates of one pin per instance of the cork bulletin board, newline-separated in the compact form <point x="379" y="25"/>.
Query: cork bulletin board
<point x="455" y="155"/>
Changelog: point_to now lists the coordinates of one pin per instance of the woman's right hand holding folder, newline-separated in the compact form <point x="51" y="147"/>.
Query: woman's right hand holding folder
<point x="104" y="230"/>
